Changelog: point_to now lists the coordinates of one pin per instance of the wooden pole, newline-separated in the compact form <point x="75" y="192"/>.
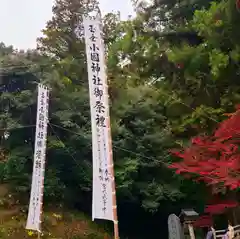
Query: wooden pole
<point x="114" y="200"/>
<point x="116" y="232"/>
<point x="191" y="230"/>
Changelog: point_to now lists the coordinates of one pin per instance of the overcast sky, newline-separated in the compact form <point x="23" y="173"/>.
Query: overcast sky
<point x="21" y="21"/>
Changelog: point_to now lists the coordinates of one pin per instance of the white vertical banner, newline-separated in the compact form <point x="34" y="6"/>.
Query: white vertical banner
<point x="102" y="205"/>
<point x="36" y="198"/>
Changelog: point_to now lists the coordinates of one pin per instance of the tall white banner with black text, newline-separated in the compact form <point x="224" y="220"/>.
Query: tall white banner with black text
<point x="102" y="206"/>
<point x="36" y="198"/>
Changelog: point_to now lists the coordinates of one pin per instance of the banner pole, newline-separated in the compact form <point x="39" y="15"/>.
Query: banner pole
<point x="116" y="232"/>
<point x="114" y="199"/>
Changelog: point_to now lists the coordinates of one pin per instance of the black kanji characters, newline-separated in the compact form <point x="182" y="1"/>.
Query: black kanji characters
<point x="40" y="135"/>
<point x="95" y="67"/>
<point x="41" y="125"/>
<point x="100" y="121"/>
<point x="92" y="29"/>
<point x="95" y="57"/>
<point x="96" y="80"/>
<point x="93" y="38"/>
<point x="94" y="48"/>
<point x="38" y="154"/>
<point x="98" y="93"/>
<point x="41" y="117"/>
<point x="40" y="143"/>
<point x="100" y="108"/>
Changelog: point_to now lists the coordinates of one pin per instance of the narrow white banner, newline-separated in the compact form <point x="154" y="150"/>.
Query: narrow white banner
<point x="102" y="206"/>
<point x="36" y="199"/>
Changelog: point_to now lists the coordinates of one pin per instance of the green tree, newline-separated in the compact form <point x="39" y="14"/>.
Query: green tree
<point x="62" y="36"/>
<point x="168" y="80"/>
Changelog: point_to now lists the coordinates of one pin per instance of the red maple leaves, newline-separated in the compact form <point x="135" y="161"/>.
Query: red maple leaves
<point x="204" y="221"/>
<point x="214" y="159"/>
<point x="220" y="207"/>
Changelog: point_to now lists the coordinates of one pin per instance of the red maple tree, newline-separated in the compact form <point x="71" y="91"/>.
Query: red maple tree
<point x="214" y="159"/>
<point x="221" y="207"/>
<point x="204" y="221"/>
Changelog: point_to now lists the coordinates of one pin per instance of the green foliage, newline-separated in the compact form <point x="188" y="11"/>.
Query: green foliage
<point x="218" y="61"/>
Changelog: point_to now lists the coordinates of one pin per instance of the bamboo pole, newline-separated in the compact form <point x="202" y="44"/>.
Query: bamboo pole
<point x="114" y="199"/>
<point x="191" y="231"/>
<point x="115" y="216"/>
